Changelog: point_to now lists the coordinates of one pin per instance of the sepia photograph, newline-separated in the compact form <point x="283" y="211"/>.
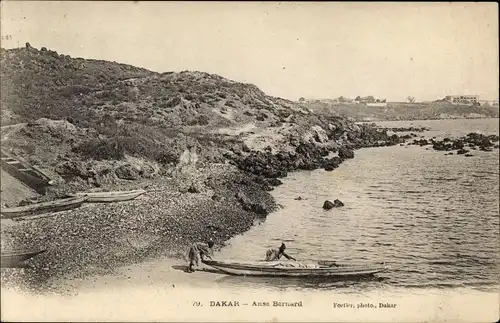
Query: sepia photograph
<point x="182" y="161"/>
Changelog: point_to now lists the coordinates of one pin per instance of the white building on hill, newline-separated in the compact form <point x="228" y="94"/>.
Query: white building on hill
<point x="462" y="99"/>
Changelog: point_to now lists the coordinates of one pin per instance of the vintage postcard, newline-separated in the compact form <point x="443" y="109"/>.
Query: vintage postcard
<point x="249" y="161"/>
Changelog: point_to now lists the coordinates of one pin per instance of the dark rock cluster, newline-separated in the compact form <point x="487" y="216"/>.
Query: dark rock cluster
<point x="408" y="129"/>
<point x="462" y="145"/>
<point x="329" y="205"/>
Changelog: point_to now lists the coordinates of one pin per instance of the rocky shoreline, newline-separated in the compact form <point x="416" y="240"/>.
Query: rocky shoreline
<point x="213" y="201"/>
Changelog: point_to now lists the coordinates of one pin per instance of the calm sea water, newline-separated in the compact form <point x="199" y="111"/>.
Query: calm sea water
<point x="434" y="219"/>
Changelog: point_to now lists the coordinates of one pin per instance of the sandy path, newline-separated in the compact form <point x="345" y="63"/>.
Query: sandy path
<point x="165" y="272"/>
<point x="237" y="130"/>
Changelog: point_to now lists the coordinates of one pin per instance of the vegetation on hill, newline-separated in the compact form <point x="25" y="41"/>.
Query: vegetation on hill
<point x="83" y="113"/>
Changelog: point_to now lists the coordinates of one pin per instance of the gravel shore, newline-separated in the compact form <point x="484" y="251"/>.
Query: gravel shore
<point x="98" y="238"/>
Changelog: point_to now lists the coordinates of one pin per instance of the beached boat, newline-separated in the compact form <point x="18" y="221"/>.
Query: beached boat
<point x="14" y="258"/>
<point x="40" y="208"/>
<point x="103" y="197"/>
<point x="28" y="174"/>
<point x="293" y="269"/>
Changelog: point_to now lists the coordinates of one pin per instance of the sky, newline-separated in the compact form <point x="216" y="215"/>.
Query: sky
<point x="291" y="50"/>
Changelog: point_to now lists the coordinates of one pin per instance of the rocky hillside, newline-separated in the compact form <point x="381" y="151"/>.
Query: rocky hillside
<point x="401" y="110"/>
<point x="92" y="122"/>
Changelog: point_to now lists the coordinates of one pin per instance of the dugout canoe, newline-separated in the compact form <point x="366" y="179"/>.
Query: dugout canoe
<point x="108" y="197"/>
<point x="293" y="269"/>
<point x="14" y="258"/>
<point x="41" y="208"/>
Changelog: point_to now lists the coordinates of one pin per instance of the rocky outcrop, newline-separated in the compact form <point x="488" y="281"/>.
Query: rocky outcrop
<point x="194" y="188"/>
<point x="331" y="164"/>
<point x="248" y="205"/>
<point x="128" y="171"/>
<point x="316" y="134"/>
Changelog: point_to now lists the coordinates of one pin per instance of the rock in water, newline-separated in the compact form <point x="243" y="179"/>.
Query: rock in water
<point x="338" y="203"/>
<point x="328" y="205"/>
<point x="259" y="208"/>
<point x="346" y="153"/>
<point x="274" y="182"/>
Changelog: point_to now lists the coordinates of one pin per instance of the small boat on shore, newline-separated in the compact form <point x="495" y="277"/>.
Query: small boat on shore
<point x="108" y="197"/>
<point x="40" y="208"/>
<point x="14" y="258"/>
<point x="293" y="269"/>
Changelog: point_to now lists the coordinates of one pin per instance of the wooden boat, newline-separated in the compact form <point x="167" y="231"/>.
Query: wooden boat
<point x="44" y="207"/>
<point x="293" y="269"/>
<point x="103" y="197"/>
<point x="29" y="175"/>
<point x="14" y="258"/>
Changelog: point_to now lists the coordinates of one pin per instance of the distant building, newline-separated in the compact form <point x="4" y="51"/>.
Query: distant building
<point x="365" y="99"/>
<point x="463" y="99"/>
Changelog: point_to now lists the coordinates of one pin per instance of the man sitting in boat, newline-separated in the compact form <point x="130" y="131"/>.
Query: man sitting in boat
<point x="275" y="254"/>
<point x="198" y="251"/>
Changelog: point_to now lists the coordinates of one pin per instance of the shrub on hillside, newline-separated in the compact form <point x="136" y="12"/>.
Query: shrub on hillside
<point x="100" y="149"/>
<point x="200" y="120"/>
<point x="115" y="149"/>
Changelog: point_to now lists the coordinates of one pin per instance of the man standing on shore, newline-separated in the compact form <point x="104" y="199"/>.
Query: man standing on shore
<point x="275" y="254"/>
<point x="198" y="251"/>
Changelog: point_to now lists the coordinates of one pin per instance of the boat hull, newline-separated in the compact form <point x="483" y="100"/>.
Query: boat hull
<point x="276" y="269"/>
<point x="14" y="259"/>
<point x="41" y="208"/>
<point x="109" y="197"/>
